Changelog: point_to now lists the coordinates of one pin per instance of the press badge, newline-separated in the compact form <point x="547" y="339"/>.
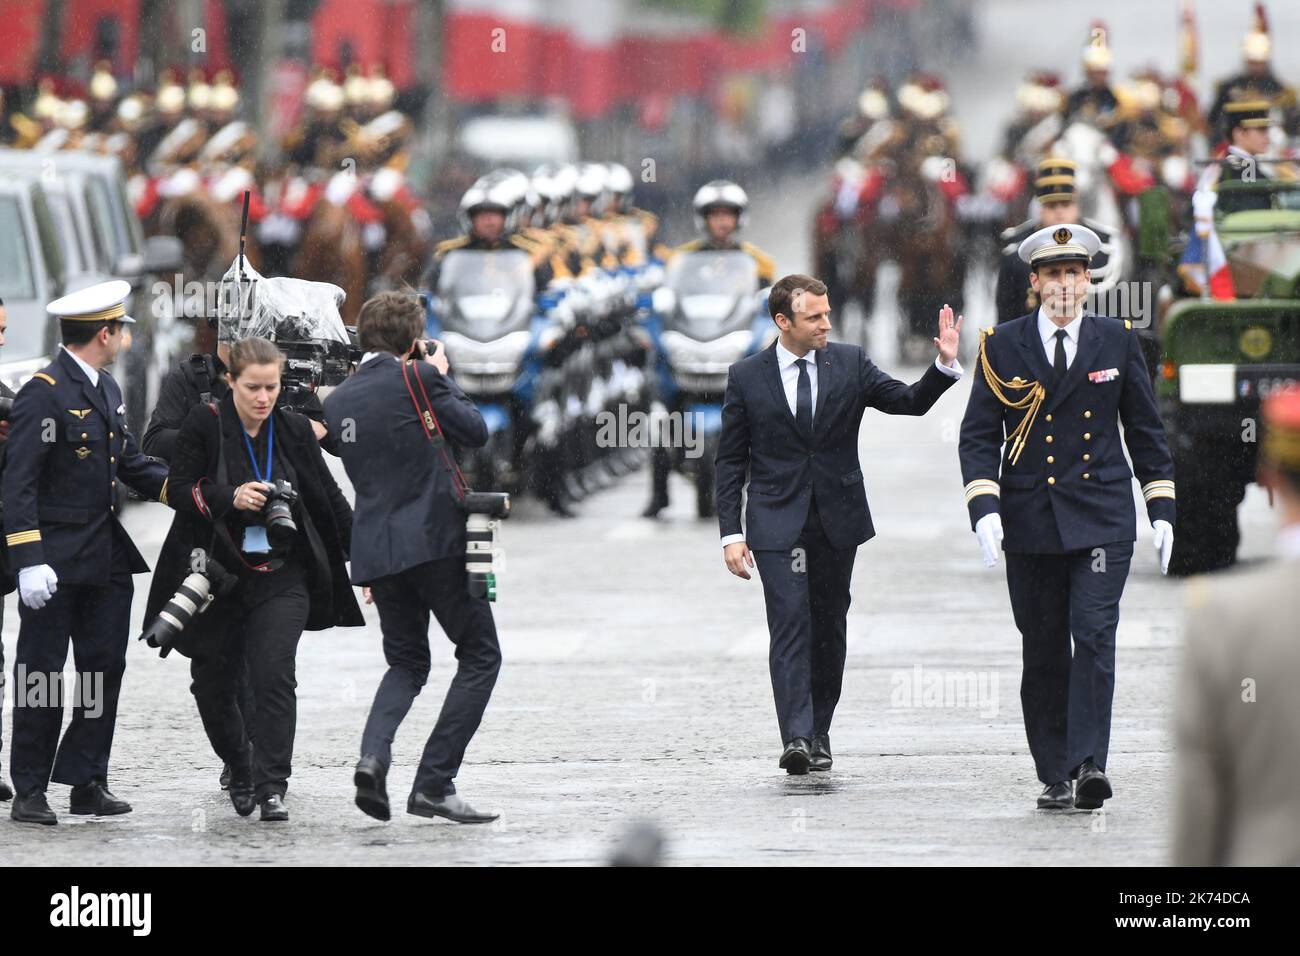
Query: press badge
<point x="255" y="539"/>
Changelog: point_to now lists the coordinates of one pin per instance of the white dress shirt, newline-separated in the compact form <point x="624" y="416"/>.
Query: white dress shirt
<point x="786" y="365"/>
<point x="92" y="373"/>
<point x="1047" y="332"/>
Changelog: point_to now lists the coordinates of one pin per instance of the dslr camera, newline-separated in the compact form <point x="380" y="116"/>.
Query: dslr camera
<point x="206" y="581"/>
<point x="278" y="511"/>
<point x="484" y="512"/>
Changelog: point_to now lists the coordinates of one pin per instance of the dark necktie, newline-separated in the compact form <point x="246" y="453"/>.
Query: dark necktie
<point x="803" y="398"/>
<point x="1059" y="363"/>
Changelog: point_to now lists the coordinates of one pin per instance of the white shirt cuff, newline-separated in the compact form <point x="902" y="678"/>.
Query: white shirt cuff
<point x="731" y="539"/>
<point x="952" y="371"/>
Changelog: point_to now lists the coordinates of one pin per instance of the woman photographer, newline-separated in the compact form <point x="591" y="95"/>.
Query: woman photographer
<point x="273" y="578"/>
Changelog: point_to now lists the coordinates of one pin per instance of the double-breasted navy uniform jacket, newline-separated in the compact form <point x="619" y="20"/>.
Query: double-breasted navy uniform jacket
<point x="68" y="447"/>
<point x="1070" y="487"/>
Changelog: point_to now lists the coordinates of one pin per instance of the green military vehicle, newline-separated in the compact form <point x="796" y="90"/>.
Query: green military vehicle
<point x="1220" y="358"/>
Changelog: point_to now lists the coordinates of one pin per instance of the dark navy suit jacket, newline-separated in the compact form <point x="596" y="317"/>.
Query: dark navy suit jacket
<point x="1071" y="489"/>
<point x="785" y="465"/>
<point x="405" y="512"/>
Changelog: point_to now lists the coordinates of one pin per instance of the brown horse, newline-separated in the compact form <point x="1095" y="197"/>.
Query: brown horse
<point x="927" y="239"/>
<point x="405" y="250"/>
<point x="331" y="251"/>
<point x="208" y="230"/>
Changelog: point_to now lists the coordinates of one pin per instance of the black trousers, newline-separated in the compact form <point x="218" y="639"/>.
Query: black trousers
<point x="95" y="619"/>
<point x="404" y="601"/>
<point x="260" y="628"/>
<point x="1066" y="696"/>
<point x="806" y="590"/>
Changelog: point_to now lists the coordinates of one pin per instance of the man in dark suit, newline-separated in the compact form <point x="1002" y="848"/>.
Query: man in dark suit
<point x="1041" y="449"/>
<point x="790" y="420"/>
<point x="408" y="547"/>
<point x="67" y="447"/>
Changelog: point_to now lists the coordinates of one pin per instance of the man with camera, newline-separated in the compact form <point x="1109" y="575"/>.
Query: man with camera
<point x="409" y="545"/>
<point x="67" y="447"/>
<point x="6" y="577"/>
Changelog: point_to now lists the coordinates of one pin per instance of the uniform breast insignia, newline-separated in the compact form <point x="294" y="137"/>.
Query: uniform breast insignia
<point x="1030" y="402"/>
<point x="1104" y="375"/>
<point x="83" y="452"/>
<point x="81" y="413"/>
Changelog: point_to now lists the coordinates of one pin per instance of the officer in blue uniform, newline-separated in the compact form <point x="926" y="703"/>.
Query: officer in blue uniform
<point x="68" y="446"/>
<point x="1045" y="474"/>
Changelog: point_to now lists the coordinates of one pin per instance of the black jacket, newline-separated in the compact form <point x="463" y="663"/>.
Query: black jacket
<point x="182" y="389"/>
<point x="199" y="496"/>
<point x="786" y="466"/>
<point x="406" y="512"/>
<point x="8" y="584"/>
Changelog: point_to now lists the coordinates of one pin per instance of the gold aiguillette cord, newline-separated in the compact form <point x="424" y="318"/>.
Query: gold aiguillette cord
<point x="1030" y="402"/>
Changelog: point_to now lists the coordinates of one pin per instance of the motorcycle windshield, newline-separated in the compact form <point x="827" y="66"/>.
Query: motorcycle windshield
<point x="715" y="293"/>
<point x="486" y="293"/>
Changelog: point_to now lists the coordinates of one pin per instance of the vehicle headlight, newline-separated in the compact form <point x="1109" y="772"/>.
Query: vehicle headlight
<point x="690" y="355"/>
<point x="1207" y="384"/>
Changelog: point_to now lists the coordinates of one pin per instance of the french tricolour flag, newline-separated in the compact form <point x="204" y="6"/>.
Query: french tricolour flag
<point x="1204" y="254"/>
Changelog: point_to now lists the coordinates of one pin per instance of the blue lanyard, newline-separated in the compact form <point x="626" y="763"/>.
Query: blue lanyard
<point x="270" y="445"/>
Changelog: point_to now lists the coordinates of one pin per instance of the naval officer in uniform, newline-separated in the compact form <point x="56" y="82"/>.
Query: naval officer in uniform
<point x="68" y="446"/>
<point x="1045" y="474"/>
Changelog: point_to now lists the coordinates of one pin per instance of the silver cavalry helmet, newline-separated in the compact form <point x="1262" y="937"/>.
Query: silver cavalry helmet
<point x="720" y="193"/>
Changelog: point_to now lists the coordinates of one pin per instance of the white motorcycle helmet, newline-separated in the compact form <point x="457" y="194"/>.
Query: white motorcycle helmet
<point x="618" y="181"/>
<point x="485" y="195"/>
<point x="720" y="192"/>
<point x="590" y="184"/>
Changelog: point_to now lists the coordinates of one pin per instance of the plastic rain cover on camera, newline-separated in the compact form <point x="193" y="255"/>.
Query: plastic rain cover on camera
<point x="281" y="309"/>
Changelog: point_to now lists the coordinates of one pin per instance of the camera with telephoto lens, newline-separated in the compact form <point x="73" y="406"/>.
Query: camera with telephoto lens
<point x="278" y="511"/>
<point x="484" y="512"/>
<point x="206" y="581"/>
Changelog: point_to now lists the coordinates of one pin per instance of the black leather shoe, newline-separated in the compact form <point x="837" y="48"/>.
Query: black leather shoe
<point x="796" y="756"/>
<point x="655" y="506"/>
<point x="1056" y="796"/>
<point x="94" y="799"/>
<point x="243" y="795"/>
<point x="372" y="794"/>
<point x="273" y="808"/>
<point x="5" y="792"/>
<point x="821" y="753"/>
<point x="450" y="806"/>
<point x="1093" y="787"/>
<point x="224" y="779"/>
<point x="33" y="808"/>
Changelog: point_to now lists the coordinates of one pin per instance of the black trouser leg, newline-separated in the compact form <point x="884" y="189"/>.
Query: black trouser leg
<point x="101" y="620"/>
<point x="1039" y="586"/>
<point x="214" y="682"/>
<point x="1096" y="586"/>
<point x="38" y="713"/>
<point x="468" y="623"/>
<point x="830" y="571"/>
<point x="271" y="633"/>
<point x="404" y="619"/>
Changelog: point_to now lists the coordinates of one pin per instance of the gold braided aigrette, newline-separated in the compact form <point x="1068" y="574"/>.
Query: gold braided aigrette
<point x="1030" y="402"/>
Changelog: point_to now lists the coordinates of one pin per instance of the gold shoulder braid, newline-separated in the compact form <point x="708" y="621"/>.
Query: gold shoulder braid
<point x="1030" y="402"/>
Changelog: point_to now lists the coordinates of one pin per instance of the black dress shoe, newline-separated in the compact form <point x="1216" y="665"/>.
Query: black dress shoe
<point x="273" y="808"/>
<point x="821" y="753"/>
<point x="372" y="794"/>
<point x="1056" y="796"/>
<point x="655" y="506"/>
<point x="450" y="806"/>
<point x="33" y="808"/>
<point x="224" y="779"/>
<point x="796" y="756"/>
<point x="94" y="799"/>
<point x="243" y="795"/>
<point x="5" y="792"/>
<point x="1093" y="787"/>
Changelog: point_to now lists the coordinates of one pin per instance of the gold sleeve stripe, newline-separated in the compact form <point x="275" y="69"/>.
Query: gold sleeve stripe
<point x="1158" y="489"/>
<point x="23" y="537"/>
<point x="982" y="486"/>
<point x="43" y="377"/>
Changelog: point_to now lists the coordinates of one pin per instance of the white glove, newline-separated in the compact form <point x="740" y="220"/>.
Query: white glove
<point x="989" y="532"/>
<point x="37" y="584"/>
<point x="1163" y="540"/>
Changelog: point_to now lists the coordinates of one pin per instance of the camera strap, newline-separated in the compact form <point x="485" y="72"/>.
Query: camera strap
<point x="201" y="365"/>
<point x="433" y="431"/>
